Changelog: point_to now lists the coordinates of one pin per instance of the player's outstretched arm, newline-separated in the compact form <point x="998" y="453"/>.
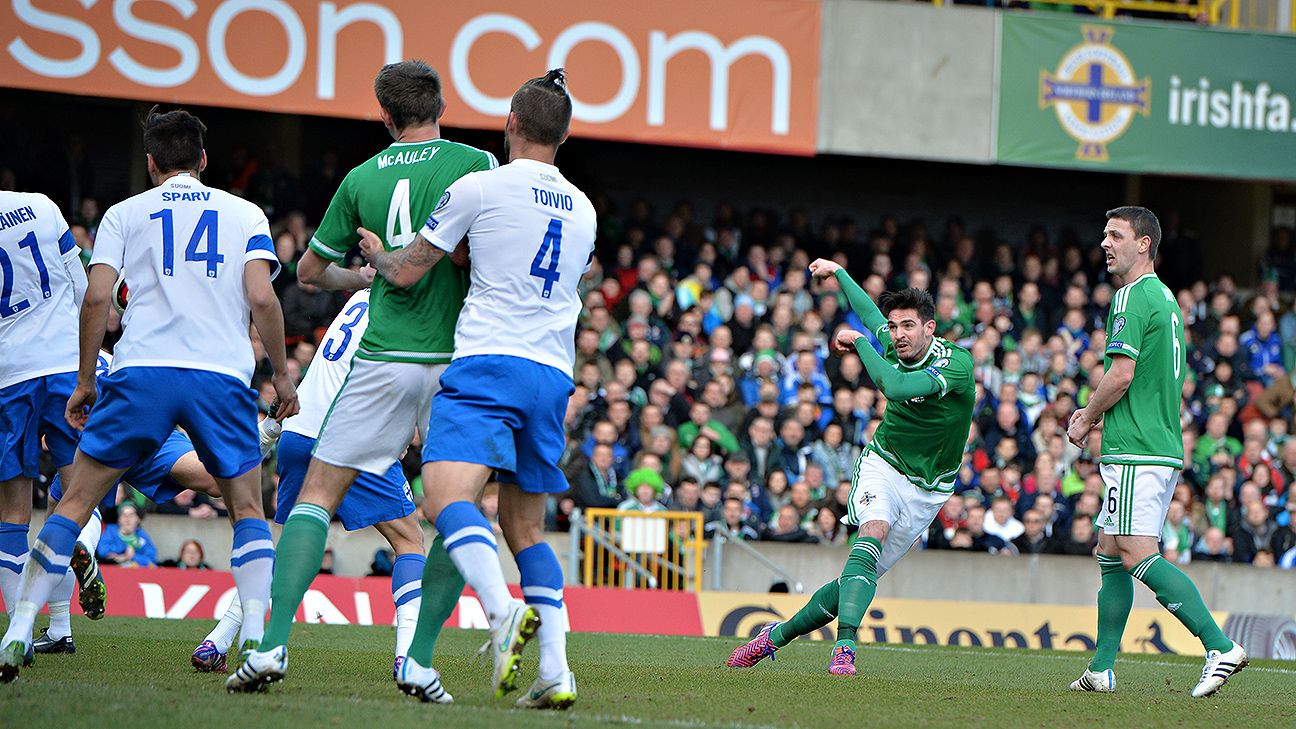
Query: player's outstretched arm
<point x="315" y="270"/>
<point x="94" y="322"/>
<point x="896" y="385"/>
<point x="858" y="298"/>
<point x="1111" y="388"/>
<point x="267" y="316"/>
<point x="403" y="267"/>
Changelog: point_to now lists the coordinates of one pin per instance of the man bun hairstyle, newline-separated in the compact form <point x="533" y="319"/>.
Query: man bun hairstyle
<point x="410" y="93"/>
<point x="543" y="109"/>
<point x="1143" y="221"/>
<point x="910" y="298"/>
<point x="174" y="140"/>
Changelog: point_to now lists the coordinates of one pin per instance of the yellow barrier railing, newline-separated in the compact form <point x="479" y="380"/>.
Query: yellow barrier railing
<point x="661" y="550"/>
<point x="1241" y="14"/>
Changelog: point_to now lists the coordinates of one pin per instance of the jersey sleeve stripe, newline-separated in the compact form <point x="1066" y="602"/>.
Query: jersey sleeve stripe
<point x="66" y="242"/>
<point x="325" y="252"/>
<point x="260" y="243"/>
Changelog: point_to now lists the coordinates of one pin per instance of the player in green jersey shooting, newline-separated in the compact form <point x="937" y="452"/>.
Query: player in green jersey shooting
<point x="904" y="476"/>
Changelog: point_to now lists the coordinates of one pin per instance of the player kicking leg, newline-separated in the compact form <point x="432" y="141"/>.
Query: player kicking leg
<point x="906" y="474"/>
<point x="1142" y="454"/>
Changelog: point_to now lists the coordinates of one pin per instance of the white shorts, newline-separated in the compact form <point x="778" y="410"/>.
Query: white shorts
<point x="375" y="414"/>
<point x="881" y="493"/>
<point x="1135" y="499"/>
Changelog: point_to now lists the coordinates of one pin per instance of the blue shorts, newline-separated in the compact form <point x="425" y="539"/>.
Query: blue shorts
<point x="371" y="499"/>
<point x="29" y="410"/>
<point x="140" y="407"/>
<point x="151" y="478"/>
<point x="504" y="412"/>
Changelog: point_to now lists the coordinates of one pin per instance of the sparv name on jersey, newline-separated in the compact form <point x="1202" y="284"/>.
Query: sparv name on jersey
<point x="406" y="157"/>
<point x="17" y="216"/>
<point x="186" y="196"/>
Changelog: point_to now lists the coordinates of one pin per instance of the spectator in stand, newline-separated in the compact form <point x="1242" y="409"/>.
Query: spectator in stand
<point x="733" y="523"/>
<point x="1177" y="535"/>
<point x="836" y="456"/>
<point x="1255" y="533"/>
<point x="1032" y="540"/>
<point x="1213" y="547"/>
<point x="126" y="543"/>
<point x="999" y="521"/>
<point x="687" y="496"/>
<point x="191" y="557"/>
<point x="701" y="463"/>
<point x="647" y="487"/>
<point x="700" y="422"/>
<point x="828" y="529"/>
<point x="1263" y="348"/>
<point x="597" y="485"/>
<point x="787" y="528"/>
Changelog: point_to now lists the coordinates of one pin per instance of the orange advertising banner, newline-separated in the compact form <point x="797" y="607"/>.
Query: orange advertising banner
<point x="734" y="74"/>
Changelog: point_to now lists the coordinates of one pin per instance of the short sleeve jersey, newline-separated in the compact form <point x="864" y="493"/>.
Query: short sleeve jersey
<point x="38" y="306"/>
<point x="531" y="238"/>
<point x="391" y="194"/>
<point x="923" y="438"/>
<point x="330" y="365"/>
<point x="1143" y="427"/>
<point x="182" y="248"/>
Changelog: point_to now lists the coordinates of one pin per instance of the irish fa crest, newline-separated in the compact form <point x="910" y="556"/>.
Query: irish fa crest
<point x="1095" y="93"/>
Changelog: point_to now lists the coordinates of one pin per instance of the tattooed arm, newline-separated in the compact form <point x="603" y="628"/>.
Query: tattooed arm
<point x="403" y="266"/>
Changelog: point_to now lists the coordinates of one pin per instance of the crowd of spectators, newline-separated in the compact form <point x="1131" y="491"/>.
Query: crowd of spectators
<point x="703" y="380"/>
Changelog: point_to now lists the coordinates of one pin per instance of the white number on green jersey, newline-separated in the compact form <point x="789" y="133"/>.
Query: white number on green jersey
<point x="400" y="232"/>
<point x="1174" y="342"/>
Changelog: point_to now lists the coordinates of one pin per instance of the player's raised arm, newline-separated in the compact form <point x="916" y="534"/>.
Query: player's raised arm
<point x="858" y="298"/>
<point x="896" y="385"/>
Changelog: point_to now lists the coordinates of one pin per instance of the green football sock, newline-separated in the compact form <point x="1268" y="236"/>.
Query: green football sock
<point x="442" y="586"/>
<point x="818" y="612"/>
<point x="1114" y="601"/>
<point x="1179" y="595"/>
<point x="298" y="557"/>
<point x="858" y="585"/>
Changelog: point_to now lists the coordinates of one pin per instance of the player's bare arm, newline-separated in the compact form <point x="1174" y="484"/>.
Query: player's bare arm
<point x="268" y="318"/>
<point x="314" y="269"/>
<point x="404" y="266"/>
<point x="94" y="322"/>
<point x="1111" y="388"/>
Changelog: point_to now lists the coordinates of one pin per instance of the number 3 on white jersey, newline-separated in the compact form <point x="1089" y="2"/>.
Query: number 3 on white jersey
<point x="400" y="231"/>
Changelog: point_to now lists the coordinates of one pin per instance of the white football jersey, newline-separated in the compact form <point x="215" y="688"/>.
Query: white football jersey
<point x="38" y="307"/>
<point x="330" y="365"/>
<point x="182" y="247"/>
<point x="530" y="238"/>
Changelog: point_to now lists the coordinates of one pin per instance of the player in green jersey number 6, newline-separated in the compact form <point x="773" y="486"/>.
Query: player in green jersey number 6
<point x="1137" y="400"/>
<point x="904" y="476"/>
<point x="387" y="394"/>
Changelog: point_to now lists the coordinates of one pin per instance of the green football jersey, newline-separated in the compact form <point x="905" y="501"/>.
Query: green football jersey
<point x="923" y="438"/>
<point x="392" y="194"/>
<point x="1143" y="426"/>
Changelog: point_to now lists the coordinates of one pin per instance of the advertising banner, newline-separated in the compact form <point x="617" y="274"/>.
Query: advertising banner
<point x="742" y="75"/>
<point x="205" y="594"/>
<point x="1146" y="97"/>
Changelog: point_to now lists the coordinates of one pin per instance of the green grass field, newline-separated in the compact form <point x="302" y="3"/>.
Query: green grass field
<point x="134" y="673"/>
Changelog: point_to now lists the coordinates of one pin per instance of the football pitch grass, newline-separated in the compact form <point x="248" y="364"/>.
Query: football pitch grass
<point x="134" y="673"/>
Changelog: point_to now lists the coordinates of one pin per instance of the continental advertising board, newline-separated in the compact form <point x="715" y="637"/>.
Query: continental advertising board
<point x="1146" y="97"/>
<point x="742" y="75"/>
<point x="187" y="594"/>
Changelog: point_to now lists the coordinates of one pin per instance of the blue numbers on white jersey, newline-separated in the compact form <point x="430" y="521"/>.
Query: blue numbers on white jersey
<point x="552" y="242"/>
<point x="204" y="232"/>
<point x="8" y="307"/>
<point x="334" y="346"/>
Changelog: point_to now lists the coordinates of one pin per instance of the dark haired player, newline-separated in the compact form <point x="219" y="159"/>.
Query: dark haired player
<point x="199" y="263"/>
<point x="904" y="476"/>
